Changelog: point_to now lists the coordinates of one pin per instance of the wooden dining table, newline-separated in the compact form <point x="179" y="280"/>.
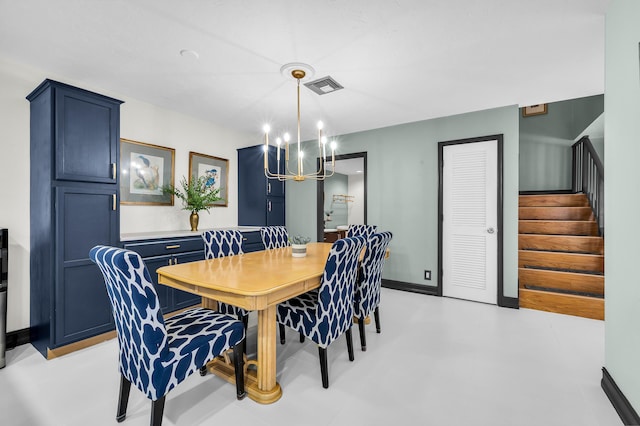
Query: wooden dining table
<point x="255" y="281"/>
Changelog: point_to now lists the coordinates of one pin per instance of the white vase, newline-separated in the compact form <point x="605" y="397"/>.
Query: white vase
<point x="298" y="250"/>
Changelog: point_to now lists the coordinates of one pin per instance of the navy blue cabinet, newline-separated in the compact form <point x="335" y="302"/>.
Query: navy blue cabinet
<point x="169" y="251"/>
<point x="74" y="205"/>
<point x="261" y="201"/>
<point x="251" y="241"/>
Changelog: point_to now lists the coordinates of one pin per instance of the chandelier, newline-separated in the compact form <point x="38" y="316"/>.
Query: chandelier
<point x="298" y="175"/>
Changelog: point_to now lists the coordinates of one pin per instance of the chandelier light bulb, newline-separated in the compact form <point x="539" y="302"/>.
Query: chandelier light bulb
<point x="278" y="141"/>
<point x="320" y="125"/>
<point x="266" y="128"/>
<point x="287" y="137"/>
<point x="333" y="145"/>
<point x="324" y="140"/>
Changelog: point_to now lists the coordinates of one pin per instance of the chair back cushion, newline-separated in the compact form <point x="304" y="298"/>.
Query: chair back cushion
<point x="222" y="243"/>
<point x="367" y="295"/>
<point x="140" y="327"/>
<point x="334" y="313"/>
<point x="274" y="237"/>
<point x="361" y="230"/>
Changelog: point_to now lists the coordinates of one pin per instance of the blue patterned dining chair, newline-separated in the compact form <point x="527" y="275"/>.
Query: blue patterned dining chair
<point x="326" y="313"/>
<point x="361" y="230"/>
<point x="221" y="243"/>
<point x="367" y="296"/>
<point x="157" y="354"/>
<point x="274" y="237"/>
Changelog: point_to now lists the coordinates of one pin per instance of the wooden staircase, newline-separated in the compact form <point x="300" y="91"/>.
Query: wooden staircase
<point x="561" y="256"/>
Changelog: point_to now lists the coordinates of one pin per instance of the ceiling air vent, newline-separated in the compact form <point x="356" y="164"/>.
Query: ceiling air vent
<point x="324" y="85"/>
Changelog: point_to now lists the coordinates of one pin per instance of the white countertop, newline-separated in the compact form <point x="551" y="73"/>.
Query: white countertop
<point x="180" y="233"/>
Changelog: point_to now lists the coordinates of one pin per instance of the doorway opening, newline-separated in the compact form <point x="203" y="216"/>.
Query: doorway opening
<point x="470" y="205"/>
<point x="342" y="198"/>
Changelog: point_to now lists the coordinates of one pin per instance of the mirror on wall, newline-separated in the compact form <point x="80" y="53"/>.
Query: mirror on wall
<point x="342" y="198"/>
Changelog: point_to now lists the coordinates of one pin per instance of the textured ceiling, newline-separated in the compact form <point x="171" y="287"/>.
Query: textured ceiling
<point x="399" y="61"/>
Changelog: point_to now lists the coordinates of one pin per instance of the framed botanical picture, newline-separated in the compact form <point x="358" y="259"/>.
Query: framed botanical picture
<point x="215" y="169"/>
<point x="534" y="110"/>
<point x="145" y="169"/>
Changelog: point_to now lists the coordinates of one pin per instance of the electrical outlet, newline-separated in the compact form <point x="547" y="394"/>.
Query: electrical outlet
<point x="427" y="275"/>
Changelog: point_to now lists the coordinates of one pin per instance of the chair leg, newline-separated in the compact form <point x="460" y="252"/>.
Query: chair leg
<point x="157" y="409"/>
<point x="324" y="369"/>
<point x="283" y="339"/>
<point x="123" y="399"/>
<point x="363" y="337"/>
<point x="376" y="315"/>
<point x="350" y="344"/>
<point x="238" y="365"/>
<point x="301" y="338"/>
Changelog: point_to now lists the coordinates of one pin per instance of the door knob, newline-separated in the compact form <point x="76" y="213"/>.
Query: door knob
<point x="490" y="230"/>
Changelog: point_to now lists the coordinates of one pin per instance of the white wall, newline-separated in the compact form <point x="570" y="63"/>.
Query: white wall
<point x="139" y="121"/>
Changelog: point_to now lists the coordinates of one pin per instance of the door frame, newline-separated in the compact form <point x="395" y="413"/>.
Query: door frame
<point x="500" y="208"/>
<point x="320" y="193"/>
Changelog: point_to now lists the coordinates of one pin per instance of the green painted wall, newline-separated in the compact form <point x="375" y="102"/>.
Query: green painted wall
<point x="622" y="151"/>
<point x="402" y="182"/>
<point x="545" y="142"/>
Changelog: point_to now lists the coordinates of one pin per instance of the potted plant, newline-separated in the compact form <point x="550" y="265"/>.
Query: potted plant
<point x="195" y="195"/>
<point x="299" y="245"/>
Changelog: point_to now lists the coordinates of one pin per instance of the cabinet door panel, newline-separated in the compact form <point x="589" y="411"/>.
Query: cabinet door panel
<point x="275" y="211"/>
<point x="85" y="218"/>
<point x="87" y="140"/>
<point x="275" y="188"/>
<point x="82" y="308"/>
<point x="252" y="187"/>
<point x="183" y="299"/>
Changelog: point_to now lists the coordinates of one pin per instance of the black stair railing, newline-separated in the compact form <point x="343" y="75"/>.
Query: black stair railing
<point x="588" y="177"/>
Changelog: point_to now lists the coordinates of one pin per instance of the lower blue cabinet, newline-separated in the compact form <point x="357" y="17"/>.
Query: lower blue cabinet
<point x="163" y="252"/>
<point x="159" y="252"/>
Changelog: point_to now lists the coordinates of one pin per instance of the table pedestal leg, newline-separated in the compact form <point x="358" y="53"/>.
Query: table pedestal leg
<point x="260" y="383"/>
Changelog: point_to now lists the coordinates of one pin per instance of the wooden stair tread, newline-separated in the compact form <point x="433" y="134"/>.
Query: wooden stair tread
<point x="573" y="261"/>
<point x="558" y="227"/>
<point x="562" y="243"/>
<point x="550" y="200"/>
<point x="577" y="282"/>
<point x="555" y="213"/>
<point x="588" y="307"/>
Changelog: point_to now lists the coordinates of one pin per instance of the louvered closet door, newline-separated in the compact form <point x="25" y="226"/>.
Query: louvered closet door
<point x="470" y="243"/>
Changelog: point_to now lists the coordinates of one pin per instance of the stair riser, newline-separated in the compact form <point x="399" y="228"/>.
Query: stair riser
<point x="550" y="227"/>
<point x="581" y="262"/>
<point x="587" y="307"/>
<point x="593" y="245"/>
<point x="593" y="284"/>
<point x="555" y="213"/>
<point x="555" y="200"/>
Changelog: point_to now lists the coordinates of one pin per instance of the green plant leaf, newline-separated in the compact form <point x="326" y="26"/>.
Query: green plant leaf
<point x="195" y="195"/>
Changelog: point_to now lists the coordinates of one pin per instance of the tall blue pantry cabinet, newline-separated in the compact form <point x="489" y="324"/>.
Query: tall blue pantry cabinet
<point x="260" y="200"/>
<point x="75" y="198"/>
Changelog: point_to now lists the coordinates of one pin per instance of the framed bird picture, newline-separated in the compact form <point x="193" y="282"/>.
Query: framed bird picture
<point x="144" y="170"/>
<point x="216" y="172"/>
